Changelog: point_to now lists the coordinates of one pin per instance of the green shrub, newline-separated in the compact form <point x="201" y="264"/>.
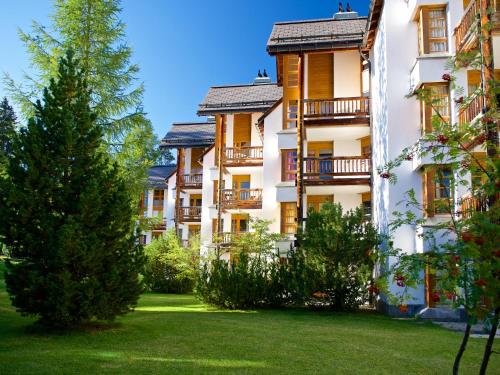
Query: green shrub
<point x="170" y="268"/>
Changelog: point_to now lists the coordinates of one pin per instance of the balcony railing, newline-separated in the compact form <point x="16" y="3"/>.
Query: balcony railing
<point x="193" y="181"/>
<point x="471" y="110"/>
<point x="327" y="169"/>
<point x="160" y="225"/>
<point x="245" y="155"/>
<point x="470" y="205"/>
<point x="189" y="214"/>
<point x="466" y="33"/>
<point x="241" y="198"/>
<point x="338" y="108"/>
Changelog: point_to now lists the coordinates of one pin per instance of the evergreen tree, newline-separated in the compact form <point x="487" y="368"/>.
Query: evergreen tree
<point x="94" y="31"/>
<point x="7" y="129"/>
<point x="68" y="221"/>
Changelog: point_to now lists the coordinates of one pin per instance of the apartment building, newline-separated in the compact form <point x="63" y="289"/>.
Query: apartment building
<point x="409" y="44"/>
<point x="153" y="202"/>
<point x="184" y="196"/>
<point x="233" y="179"/>
<point x="338" y="111"/>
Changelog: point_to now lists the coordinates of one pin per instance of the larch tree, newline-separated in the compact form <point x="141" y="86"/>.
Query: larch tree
<point x="94" y="31"/>
<point x="67" y="218"/>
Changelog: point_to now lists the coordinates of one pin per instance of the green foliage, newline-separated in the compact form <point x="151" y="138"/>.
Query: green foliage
<point x="94" y="31"/>
<point x="170" y="268"/>
<point x="67" y="218"/>
<point x="331" y="268"/>
<point x="339" y="255"/>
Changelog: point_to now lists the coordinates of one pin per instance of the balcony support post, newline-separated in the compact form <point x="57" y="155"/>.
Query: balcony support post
<point x="300" y="146"/>
<point x="177" y="190"/>
<point x="220" y="122"/>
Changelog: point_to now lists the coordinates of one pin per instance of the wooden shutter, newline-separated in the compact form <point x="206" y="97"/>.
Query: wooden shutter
<point x="242" y="131"/>
<point x="320" y="76"/>
<point x="429" y="191"/>
<point x="423" y="26"/>
<point x="216" y="192"/>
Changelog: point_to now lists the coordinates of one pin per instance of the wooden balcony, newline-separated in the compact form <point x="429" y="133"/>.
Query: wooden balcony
<point x="471" y="110"/>
<point x="190" y="214"/>
<point x="191" y="181"/>
<point x="160" y="225"/>
<point x="467" y="32"/>
<point x="241" y="198"/>
<point x="471" y="205"/>
<point x="243" y="156"/>
<point x="352" y="110"/>
<point x="348" y="170"/>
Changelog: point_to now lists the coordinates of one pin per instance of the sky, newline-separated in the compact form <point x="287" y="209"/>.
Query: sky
<point x="182" y="47"/>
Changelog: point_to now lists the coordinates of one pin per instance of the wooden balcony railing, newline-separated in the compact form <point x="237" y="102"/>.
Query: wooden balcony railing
<point x="471" y="110"/>
<point x="160" y="225"/>
<point x="468" y="26"/>
<point x="193" y="181"/>
<point x="241" y="198"/>
<point x="189" y="214"/>
<point x="326" y="169"/>
<point x="467" y="32"/>
<point x="245" y="155"/>
<point x="470" y="205"/>
<point x="357" y="107"/>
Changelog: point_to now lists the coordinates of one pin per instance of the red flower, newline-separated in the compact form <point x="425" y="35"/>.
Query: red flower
<point x="480" y="282"/>
<point x="400" y="281"/>
<point x="459" y="100"/>
<point x="443" y="139"/>
<point x="435" y="297"/>
<point x="403" y="308"/>
<point x="385" y="175"/>
<point x="446" y="77"/>
<point x="455" y="258"/>
<point x="449" y="295"/>
<point x="409" y="157"/>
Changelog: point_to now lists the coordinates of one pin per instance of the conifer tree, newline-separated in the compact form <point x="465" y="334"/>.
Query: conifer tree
<point x="67" y="221"/>
<point x="95" y="32"/>
<point x="7" y="129"/>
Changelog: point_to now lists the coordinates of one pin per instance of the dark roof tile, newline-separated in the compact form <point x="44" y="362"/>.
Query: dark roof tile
<point x="189" y="134"/>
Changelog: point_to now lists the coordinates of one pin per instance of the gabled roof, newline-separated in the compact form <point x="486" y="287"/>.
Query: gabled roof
<point x="158" y="174"/>
<point x="189" y="134"/>
<point x="372" y="24"/>
<point x="240" y="98"/>
<point x="314" y="35"/>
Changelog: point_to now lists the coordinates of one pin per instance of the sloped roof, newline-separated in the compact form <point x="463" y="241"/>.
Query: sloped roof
<point x="189" y="134"/>
<point x="240" y="98"/>
<point x="158" y="174"/>
<point x="312" y="35"/>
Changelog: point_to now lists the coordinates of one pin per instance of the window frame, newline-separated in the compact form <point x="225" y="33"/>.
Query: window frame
<point x="285" y="163"/>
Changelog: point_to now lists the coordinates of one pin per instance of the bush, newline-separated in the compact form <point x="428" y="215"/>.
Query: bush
<point x="170" y="268"/>
<point x="331" y="268"/>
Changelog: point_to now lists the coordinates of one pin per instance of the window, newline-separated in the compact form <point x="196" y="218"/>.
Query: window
<point x="143" y="203"/>
<point x="438" y="190"/>
<point x="292" y="114"/>
<point x="288" y="217"/>
<point x="437" y="103"/>
<point x="158" y="197"/>
<point x="366" y="205"/>
<point x="143" y="239"/>
<point x="433" y="36"/>
<point x="292" y="71"/>
<point x="288" y="165"/>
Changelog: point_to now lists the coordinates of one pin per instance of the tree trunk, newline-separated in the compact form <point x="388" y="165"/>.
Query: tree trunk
<point x="461" y="351"/>
<point x="489" y="344"/>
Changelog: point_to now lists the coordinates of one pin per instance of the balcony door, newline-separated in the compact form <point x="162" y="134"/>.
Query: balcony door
<point x="315" y="202"/>
<point x="241" y="186"/>
<point x="320" y="158"/>
<point x="195" y="200"/>
<point x="320" y="83"/>
<point x="240" y="223"/>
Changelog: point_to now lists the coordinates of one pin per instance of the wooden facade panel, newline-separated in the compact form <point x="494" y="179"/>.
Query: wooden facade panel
<point x="242" y="129"/>
<point x="320" y="76"/>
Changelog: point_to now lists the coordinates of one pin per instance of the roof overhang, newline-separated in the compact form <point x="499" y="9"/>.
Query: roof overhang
<point x="372" y="24"/>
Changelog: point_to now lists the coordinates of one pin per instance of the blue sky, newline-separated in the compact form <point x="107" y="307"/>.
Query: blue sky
<point x="182" y="47"/>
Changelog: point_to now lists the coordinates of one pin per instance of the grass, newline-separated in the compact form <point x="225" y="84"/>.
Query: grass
<point x="174" y="334"/>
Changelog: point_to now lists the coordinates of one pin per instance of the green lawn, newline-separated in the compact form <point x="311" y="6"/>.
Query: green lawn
<point x="178" y="335"/>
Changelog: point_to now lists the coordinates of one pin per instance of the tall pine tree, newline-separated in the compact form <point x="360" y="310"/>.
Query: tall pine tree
<point x="68" y="221"/>
<point x="94" y="31"/>
<point x="7" y="129"/>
